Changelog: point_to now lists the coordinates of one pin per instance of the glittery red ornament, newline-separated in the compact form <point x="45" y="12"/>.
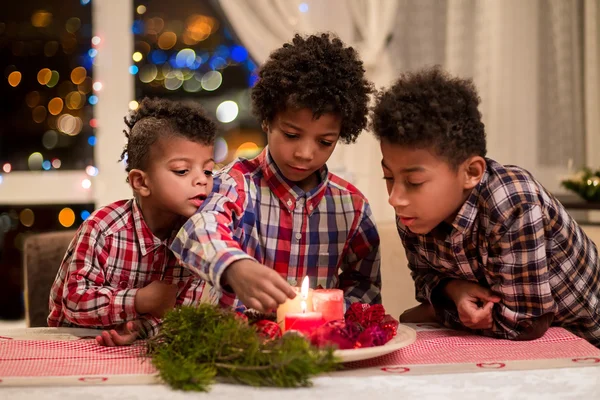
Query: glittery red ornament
<point x="355" y="312"/>
<point x="372" y="316"/>
<point x="340" y="334"/>
<point x="390" y="326"/>
<point x="268" y="329"/>
<point x="365" y="315"/>
<point x="371" y="337"/>
<point x="241" y="316"/>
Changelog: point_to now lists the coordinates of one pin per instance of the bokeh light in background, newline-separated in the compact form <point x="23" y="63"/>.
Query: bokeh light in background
<point x="47" y="69"/>
<point x="66" y="217"/>
<point x="16" y="223"/>
<point x="46" y="59"/>
<point x="227" y="111"/>
<point x="186" y="51"/>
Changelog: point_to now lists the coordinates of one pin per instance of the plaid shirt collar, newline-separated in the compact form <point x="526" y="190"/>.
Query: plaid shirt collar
<point x="147" y="241"/>
<point x="467" y="214"/>
<point x="287" y="191"/>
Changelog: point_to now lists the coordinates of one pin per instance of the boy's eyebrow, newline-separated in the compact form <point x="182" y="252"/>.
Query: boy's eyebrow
<point x="417" y="168"/>
<point x="189" y="159"/>
<point x="289" y="124"/>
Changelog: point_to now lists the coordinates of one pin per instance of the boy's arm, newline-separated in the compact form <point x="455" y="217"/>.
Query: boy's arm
<point x="205" y="244"/>
<point x="87" y="301"/>
<point x="518" y="262"/>
<point x="429" y="285"/>
<point x="360" y="278"/>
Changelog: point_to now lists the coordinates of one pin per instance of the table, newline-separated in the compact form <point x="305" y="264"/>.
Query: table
<point x="384" y="382"/>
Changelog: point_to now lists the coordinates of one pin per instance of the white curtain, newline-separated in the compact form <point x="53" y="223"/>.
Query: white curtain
<point x="535" y="64"/>
<point x="591" y="67"/>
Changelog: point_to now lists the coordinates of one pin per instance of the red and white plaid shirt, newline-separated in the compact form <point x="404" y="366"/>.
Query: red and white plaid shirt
<point x="114" y="254"/>
<point x="254" y="212"/>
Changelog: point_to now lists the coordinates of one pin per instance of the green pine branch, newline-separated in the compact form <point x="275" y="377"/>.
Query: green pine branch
<point x="586" y="184"/>
<point x="197" y="346"/>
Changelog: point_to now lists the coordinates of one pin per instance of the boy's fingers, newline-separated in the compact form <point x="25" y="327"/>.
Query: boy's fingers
<point x="267" y="301"/>
<point x="284" y="287"/>
<point x="99" y="340"/>
<point x="107" y="339"/>
<point x="486" y="294"/>
<point x="279" y="296"/>
<point x="252" y="302"/>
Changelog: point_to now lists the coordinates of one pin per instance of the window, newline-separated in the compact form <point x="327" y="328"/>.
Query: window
<point x="188" y="52"/>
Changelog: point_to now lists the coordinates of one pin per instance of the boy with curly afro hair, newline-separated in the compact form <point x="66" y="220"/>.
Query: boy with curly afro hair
<point x="281" y="216"/>
<point x="118" y="273"/>
<point x="490" y="250"/>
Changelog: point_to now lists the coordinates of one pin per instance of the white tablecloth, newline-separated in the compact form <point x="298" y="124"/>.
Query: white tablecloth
<point x="566" y="383"/>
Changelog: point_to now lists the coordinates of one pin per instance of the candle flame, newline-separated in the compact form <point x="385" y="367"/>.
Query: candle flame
<point x="303" y="306"/>
<point x="304" y="289"/>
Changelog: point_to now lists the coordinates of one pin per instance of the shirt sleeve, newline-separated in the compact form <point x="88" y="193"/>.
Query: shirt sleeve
<point x="189" y="295"/>
<point x="150" y="327"/>
<point x="426" y="278"/>
<point x="205" y="244"/>
<point x="518" y="262"/>
<point x="87" y="301"/>
<point x="361" y="275"/>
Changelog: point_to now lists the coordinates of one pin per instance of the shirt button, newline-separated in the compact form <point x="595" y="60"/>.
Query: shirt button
<point x="298" y="236"/>
<point x="123" y="284"/>
<point x="310" y="207"/>
<point x="123" y="315"/>
<point x="456" y="249"/>
<point x="289" y="202"/>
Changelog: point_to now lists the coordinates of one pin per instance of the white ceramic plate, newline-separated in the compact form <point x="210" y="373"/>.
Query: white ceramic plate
<point x="403" y="338"/>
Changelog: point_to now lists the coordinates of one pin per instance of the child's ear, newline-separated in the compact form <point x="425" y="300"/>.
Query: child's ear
<point x="265" y="127"/>
<point x="137" y="181"/>
<point x="473" y="167"/>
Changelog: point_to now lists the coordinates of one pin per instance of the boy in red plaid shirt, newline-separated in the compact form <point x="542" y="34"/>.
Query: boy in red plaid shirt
<point x="282" y="216"/>
<point x="118" y="272"/>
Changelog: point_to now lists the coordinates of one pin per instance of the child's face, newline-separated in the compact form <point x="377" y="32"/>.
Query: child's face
<point x="300" y="144"/>
<point x="423" y="188"/>
<point x="179" y="175"/>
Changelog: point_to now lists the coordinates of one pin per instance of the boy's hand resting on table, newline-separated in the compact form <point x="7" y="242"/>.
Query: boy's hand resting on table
<point x="130" y="332"/>
<point x="420" y="313"/>
<point x="156" y="298"/>
<point x="473" y="302"/>
<point x="256" y="285"/>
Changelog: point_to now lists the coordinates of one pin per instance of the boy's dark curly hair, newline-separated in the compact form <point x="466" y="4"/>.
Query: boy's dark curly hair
<point x="155" y="118"/>
<point x="319" y="73"/>
<point x="431" y="109"/>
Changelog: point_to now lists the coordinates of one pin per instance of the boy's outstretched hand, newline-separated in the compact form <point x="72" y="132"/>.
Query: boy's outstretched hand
<point x="156" y="298"/>
<point x="256" y="285"/>
<point x="113" y="338"/>
<point x="473" y="302"/>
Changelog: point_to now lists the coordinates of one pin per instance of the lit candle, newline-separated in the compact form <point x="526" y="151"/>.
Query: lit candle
<point x="329" y="302"/>
<point x="304" y="322"/>
<point x="294" y="305"/>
